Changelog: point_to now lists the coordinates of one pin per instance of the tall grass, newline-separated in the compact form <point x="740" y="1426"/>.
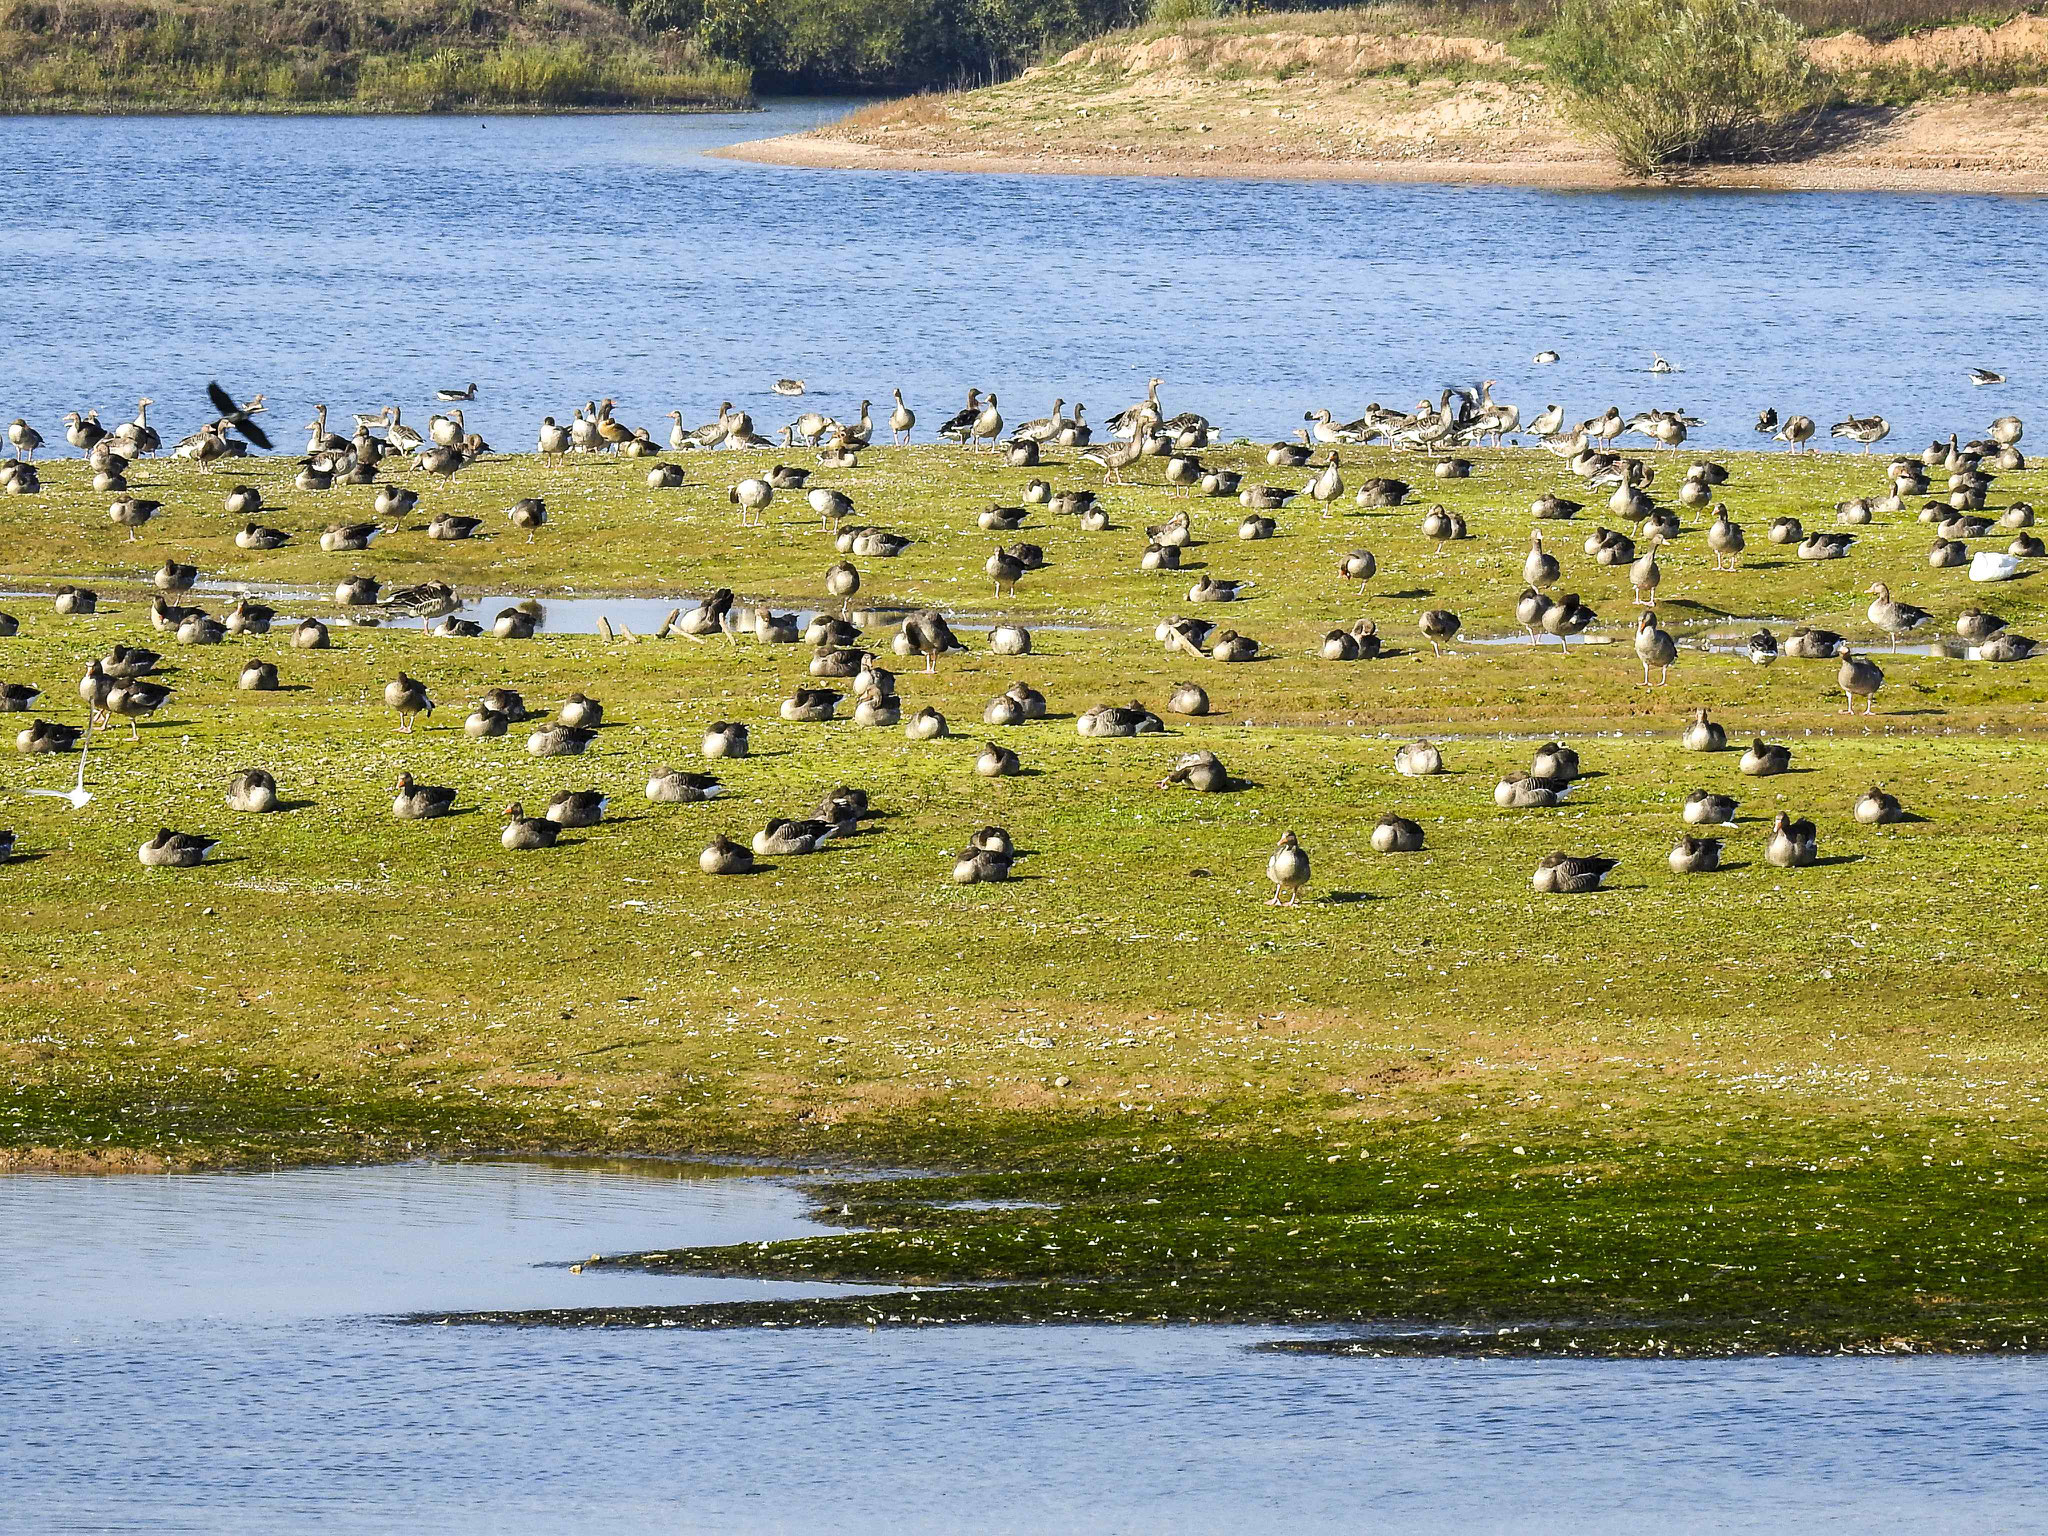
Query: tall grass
<point x="1678" y="82"/>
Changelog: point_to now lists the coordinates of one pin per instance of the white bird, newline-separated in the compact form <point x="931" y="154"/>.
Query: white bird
<point x="77" y="794"/>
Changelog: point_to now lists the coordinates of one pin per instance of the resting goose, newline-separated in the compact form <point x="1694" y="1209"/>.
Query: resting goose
<point x="1419" y="759"/>
<point x="1703" y="808"/>
<point x="47" y="736"/>
<point x="576" y="808"/>
<point x="811" y="706"/>
<point x="1792" y="844"/>
<point x="1696" y="855"/>
<point x="176" y="850"/>
<point x="996" y="761"/>
<point x="725" y="738"/>
<point x="523" y="832"/>
<point x="1397" y="834"/>
<point x="1875" y="808"/>
<point x="1559" y="874"/>
<point x="420" y="802"/>
<point x="1527" y="791"/>
<point x="1761" y="648"/>
<point x="559" y="741"/>
<point x="1703" y="735"/>
<point x="926" y="725"/>
<point x="1763" y="759"/>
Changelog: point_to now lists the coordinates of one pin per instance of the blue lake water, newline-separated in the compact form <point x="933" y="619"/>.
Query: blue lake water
<point x="367" y="260"/>
<point x="208" y="1353"/>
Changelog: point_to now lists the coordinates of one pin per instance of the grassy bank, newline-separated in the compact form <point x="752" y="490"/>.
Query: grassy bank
<point x="352" y="55"/>
<point x="1777" y="1108"/>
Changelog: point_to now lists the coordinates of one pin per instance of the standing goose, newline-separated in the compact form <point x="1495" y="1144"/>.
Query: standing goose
<point x="988" y="425"/>
<point x="1859" y="677"/>
<point x="1797" y="432"/>
<point x="136" y="439"/>
<point x="961" y="422"/>
<point x="1005" y="569"/>
<point x="1862" y="429"/>
<point x="842" y="580"/>
<point x="1724" y="538"/>
<point x="1288" y="870"/>
<point x="1565" y="617"/>
<point x="135" y="699"/>
<point x="1327" y="486"/>
<point x="530" y="513"/>
<point x="1645" y="574"/>
<point x="901" y="419"/>
<point x="1118" y="455"/>
<point x="1792" y="844"/>
<point x="1894" y="618"/>
<point x="25" y="438"/>
<point x="408" y="696"/>
<point x="1439" y="627"/>
<point x="172" y="576"/>
<point x="1041" y="429"/>
<point x="1655" y="648"/>
<point x="1539" y="569"/>
<point x="83" y="432"/>
<point x="752" y="496"/>
<point x="1530" y="609"/>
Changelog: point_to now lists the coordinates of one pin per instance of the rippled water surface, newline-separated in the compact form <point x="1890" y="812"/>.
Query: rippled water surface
<point x="366" y="260"/>
<point x="208" y="1353"/>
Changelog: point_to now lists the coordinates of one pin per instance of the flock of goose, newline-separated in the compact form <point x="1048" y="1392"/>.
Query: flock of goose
<point x="119" y="684"/>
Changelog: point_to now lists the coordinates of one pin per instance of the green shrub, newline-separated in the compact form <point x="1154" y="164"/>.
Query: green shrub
<point x="1678" y="82"/>
<point x="1174" y="13"/>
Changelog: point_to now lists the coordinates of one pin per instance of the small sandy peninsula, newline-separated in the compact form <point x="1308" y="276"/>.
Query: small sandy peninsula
<point x="1301" y="104"/>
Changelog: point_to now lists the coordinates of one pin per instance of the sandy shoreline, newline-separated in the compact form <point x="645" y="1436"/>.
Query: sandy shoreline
<point x="1837" y="172"/>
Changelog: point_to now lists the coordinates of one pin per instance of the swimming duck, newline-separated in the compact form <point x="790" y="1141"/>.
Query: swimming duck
<point x="1703" y="808"/>
<point x="996" y="761"/>
<point x="725" y="738"/>
<point x="254" y="791"/>
<point x="1655" y="648"/>
<point x="1875" y="808"/>
<point x="1419" y="759"/>
<point x="1559" y="874"/>
<point x="1397" y="834"/>
<point x="1894" y="618"/>
<point x="1288" y="870"/>
<point x="576" y="808"/>
<point x="1792" y="844"/>
<point x="408" y="696"/>
<point x="811" y="705"/>
<point x="554" y="740"/>
<point x="1528" y="791"/>
<point x="47" y="736"/>
<point x="1696" y="855"/>
<point x="1762" y="760"/>
<point x="926" y="725"/>
<point x="1859" y="678"/>
<point x="523" y="832"/>
<point x="176" y="850"/>
<point x="1703" y="735"/>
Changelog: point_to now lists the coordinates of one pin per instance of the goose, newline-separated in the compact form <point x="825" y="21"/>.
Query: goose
<point x="988" y="425"/>
<point x="1539" y="569"/>
<point x="1785" y="530"/>
<point x="785" y="477"/>
<point x="1029" y="700"/>
<point x="257" y="677"/>
<point x="2007" y="646"/>
<point x="172" y="576"/>
<point x="961" y="422"/>
<point x="1766" y="421"/>
<point x="1041" y="429"/>
<point x="842" y="580"/>
<point x="449" y="627"/>
<point x="1202" y="772"/>
<point x="135" y="699"/>
<point x="1559" y="874"/>
<point x="926" y="725"/>
<point x="576" y="808"/>
<point x="975" y="864"/>
<point x="1004" y="569"/>
<point x="356" y="591"/>
<point x="395" y="502"/>
<point x="166" y="617"/>
<point x="1382" y="491"/>
<point x="553" y="740"/>
<point x="176" y="850"/>
<point x="1397" y="834"/>
<point x="242" y="501"/>
<point x="46" y="736"/>
<point x="1442" y="525"/>
<point x="1724" y="538"/>
<point x="901" y="419"/>
<point x="771" y="628"/>
<point x="1976" y="626"/>
<point x="1328" y="485"/>
<point x="1796" y="433"/>
<point x="523" y="832"/>
<point x="339" y="538"/>
<point x="1288" y="870"/>
<point x="1003" y="710"/>
<point x="518" y="622"/>
<point x="1207" y="589"/>
<point x="2026" y="547"/>
<point x="1545" y="356"/>
<point x="409" y="698"/>
<point x="136" y="439"/>
<point x="253" y="791"/>
<point x="1254" y="527"/>
<point x="1859" y="677"/>
<point x="1076" y="433"/>
<point x="1565" y="617"/>
<point x="1439" y="627"/>
<point x="1706" y="809"/>
<point x="1265" y="498"/>
<point x="1133" y="719"/>
<point x="1825" y="546"/>
<point x="1530" y="608"/>
<point x="580" y="712"/>
<point x="448" y="430"/>
<point x="1229" y="645"/>
<point x="792" y="839"/>
<point x="1188" y="699"/>
<point x="1116" y="456"/>
<point x="1991" y="565"/>
<point x="1806" y="644"/>
<point x="873" y="707"/>
<point x="752" y="496"/>
<point x="1696" y="855"/>
<point x="18" y="698"/>
<point x="310" y="635"/>
<point x="1793" y="844"/>
<point x="1862" y="429"/>
<point x="76" y="601"/>
<point x="201" y="629"/>
<point x="725" y="738"/>
<point x="1419" y="759"/>
<point x="530" y="513"/>
<point x="837" y="661"/>
<point x="1875" y="808"/>
<point x="671" y="786"/>
<point x="999" y="519"/>
<point x="2019" y="515"/>
<point x="9" y="626"/>
<point x="926" y="633"/>
<point x="1894" y="618"/>
<point x="1703" y="735"/>
<point x="83" y="432"/>
<point x="1762" y="760"/>
<point x="1530" y="791"/>
<point x="131" y="512"/>
<point x="1009" y="640"/>
<point x="553" y="441"/>
<point x="1982" y="376"/>
<point x="1555" y="760"/>
<point x="1655" y="648"/>
<point x="1855" y="512"/>
<point x="811" y="706"/>
<point x="1067" y="503"/>
<point x="449" y="527"/>
<point x="1645" y="574"/>
<point x="811" y="426"/>
<point x="996" y="761"/>
<point x="2007" y="430"/>
<point x="726" y="857"/>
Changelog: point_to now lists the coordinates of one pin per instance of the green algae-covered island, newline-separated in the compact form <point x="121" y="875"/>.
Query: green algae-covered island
<point x="1767" y="1107"/>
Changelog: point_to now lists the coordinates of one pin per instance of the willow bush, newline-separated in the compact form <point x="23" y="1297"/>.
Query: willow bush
<point x="1680" y="82"/>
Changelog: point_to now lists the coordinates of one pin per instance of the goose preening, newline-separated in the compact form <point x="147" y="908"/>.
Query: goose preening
<point x="1439" y="627"/>
<point x="1560" y="874"/>
<point x="1792" y="844"/>
<point x="1866" y="430"/>
<point x="1200" y="771"/>
<point x="927" y="634"/>
<point x="1288" y="870"/>
<point x="253" y="791"/>
<point x="1796" y="433"/>
<point x="1567" y="616"/>
<point x="1859" y="678"/>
